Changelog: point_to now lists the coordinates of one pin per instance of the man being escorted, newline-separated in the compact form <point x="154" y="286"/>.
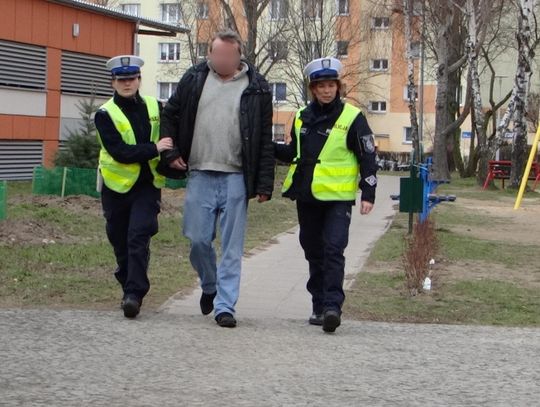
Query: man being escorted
<point x="220" y="118"/>
<point x="128" y="131"/>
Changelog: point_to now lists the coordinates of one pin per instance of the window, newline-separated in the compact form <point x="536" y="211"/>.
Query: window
<point x="169" y="51"/>
<point x="342" y="49"/>
<point x="202" y="50"/>
<point x="279" y="91"/>
<point x="278" y="132"/>
<point x="380" y="23"/>
<point x="343" y="7"/>
<point x="170" y="13"/>
<point x="279" y="9"/>
<point x="202" y="10"/>
<point x="407" y="135"/>
<point x="407" y="95"/>
<point x="279" y="50"/>
<point x="377" y="106"/>
<point x="133" y="9"/>
<point x="415" y="49"/>
<point x="312" y="8"/>
<point x="312" y="49"/>
<point x="166" y="89"/>
<point x="379" y="65"/>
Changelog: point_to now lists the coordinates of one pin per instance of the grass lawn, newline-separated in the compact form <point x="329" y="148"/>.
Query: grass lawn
<point x="487" y="271"/>
<point x="54" y="251"/>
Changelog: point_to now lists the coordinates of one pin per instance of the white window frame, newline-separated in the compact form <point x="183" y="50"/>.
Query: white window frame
<point x="126" y="8"/>
<point x="177" y="51"/>
<point x="166" y="13"/>
<point x="318" y="9"/>
<point x="274" y="46"/>
<point x="347" y="7"/>
<point x="381" y="26"/>
<point x="202" y="10"/>
<point x="379" y="104"/>
<point x="274" y="132"/>
<point x="171" y="86"/>
<point x="199" y="56"/>
<point x="381" y="62"/>
<point x="273" y="87"/>
<point x="405" y="130"/>
<point x="406" y="93"/>
<point x="337" y="49"/>
<point x="281" y="15"/>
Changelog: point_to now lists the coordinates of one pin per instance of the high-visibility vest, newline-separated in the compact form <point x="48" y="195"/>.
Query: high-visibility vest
<point x="335" y="176"/>
<point x="118" y="176"/>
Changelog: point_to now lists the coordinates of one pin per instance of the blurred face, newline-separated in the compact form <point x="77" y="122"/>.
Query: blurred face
<point x="224" y="57"/>
<point x="126" y="87"/>
<point x="324" y="91"/>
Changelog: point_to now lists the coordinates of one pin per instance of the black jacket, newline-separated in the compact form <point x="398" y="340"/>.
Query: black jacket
<point x="317" y="121"/>
<point x="178" y="122"/>
<point x="142" y="152"/>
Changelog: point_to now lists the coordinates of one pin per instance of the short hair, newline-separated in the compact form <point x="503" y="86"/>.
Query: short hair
<point x="228" y="36"/>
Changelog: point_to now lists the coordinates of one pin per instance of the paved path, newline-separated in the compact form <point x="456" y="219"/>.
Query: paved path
<point x="177" y="357"/>
<point x="274" y="279"/>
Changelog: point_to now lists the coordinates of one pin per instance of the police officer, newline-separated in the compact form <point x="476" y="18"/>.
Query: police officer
<point x="330" y="140"/>
<point x="128" y="131"/>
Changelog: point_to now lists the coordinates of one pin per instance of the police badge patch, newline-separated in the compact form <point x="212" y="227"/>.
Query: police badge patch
<point x="368" y="143"/>
<point x="371" y="180"/>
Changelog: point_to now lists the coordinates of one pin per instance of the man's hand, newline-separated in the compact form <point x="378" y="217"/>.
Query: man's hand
<point x="178" y="164"/>
<point x="262" y="198"/>
<point x="365" y="207"/>
<point x="164" y="144"/>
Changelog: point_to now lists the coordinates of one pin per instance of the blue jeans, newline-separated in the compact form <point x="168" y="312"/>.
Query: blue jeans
<point x="211" y="197"/>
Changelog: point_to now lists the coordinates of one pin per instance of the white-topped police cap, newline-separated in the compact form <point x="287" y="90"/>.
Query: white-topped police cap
<point x="322" y="69"/>
<point x="125" y="66"/>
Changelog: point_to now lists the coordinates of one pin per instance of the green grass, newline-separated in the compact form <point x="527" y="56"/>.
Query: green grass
<point x="77" y="270"/>
<point x="486" y="302"/>
<point x="379" y="291"/>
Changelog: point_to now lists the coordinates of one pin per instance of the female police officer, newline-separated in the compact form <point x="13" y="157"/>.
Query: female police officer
<point x="330" y="140"/>
<point x="128" y="130"/>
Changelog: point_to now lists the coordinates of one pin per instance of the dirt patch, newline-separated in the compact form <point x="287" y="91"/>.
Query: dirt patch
<point x="15" y="231"/>
<point x="515" y="226"/>
<point x="444" y="272"/>
<point x="76" y="204"/>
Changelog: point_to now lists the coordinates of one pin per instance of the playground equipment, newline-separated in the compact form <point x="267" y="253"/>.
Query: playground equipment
<point x="524" y="179"/>
<point x="417" y="193"/>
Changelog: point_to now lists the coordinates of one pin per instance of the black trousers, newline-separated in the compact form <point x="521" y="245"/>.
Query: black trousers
<point x="324" y="235"/>
<point x="131" y="222"/>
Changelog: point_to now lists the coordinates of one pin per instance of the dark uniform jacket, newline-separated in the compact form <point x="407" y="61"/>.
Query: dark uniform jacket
<point x="317" y="122"/>
<point x="142" y="152"/>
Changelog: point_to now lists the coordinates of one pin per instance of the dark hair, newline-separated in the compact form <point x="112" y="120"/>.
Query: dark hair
<point x="228" y="36"/>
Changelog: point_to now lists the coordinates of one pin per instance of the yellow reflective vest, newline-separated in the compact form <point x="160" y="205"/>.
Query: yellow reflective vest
<point x="335" y="177"/>
<point x="118" y="176"/>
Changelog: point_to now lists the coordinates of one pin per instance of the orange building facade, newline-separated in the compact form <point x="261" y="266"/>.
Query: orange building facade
<point x="46" y="48"/>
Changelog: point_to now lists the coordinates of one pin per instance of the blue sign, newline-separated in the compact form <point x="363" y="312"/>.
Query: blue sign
<point x="466" y="134"/>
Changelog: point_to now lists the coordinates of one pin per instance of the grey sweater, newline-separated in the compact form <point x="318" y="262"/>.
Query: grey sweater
<point x="217" y="143"/>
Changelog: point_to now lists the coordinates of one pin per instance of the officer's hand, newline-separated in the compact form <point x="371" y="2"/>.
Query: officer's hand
<point x="178" y="164"/>
<point x="365" y="207"/>
<point x="262" y="198"/>
<point x="164" y="144"/>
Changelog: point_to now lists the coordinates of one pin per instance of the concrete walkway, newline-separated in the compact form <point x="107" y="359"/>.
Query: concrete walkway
<point x="274" y="278"/>
<point x="177" y="357"/>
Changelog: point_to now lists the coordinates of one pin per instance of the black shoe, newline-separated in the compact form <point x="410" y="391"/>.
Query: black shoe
<point x="131" y="307"/>
<point x="316" y="319"/>
<point x="226" y="320"/>
<point x="331" y="320"/>
<point x="207" y="303"/>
